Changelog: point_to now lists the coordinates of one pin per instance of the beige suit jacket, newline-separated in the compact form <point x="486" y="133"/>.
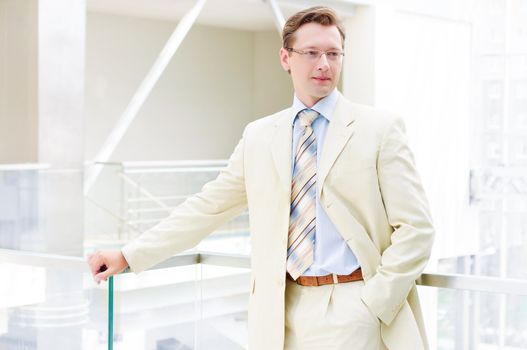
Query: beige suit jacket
<point x="367" y="184"/>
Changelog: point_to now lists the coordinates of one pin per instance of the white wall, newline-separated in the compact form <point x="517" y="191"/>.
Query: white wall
<point x="273" y="89"/>
<point x="218" y="81"/>
<point x="423" y="73"/>
<point x="418" y="65"/>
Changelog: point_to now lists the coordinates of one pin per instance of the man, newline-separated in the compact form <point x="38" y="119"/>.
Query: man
<point x="340" y="228"/>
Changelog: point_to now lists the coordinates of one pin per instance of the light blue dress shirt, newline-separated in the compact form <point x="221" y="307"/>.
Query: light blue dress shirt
<point x="332" y="254"/>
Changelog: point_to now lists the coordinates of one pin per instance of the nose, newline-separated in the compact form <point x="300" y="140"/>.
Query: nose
<point x="322" y="63"/>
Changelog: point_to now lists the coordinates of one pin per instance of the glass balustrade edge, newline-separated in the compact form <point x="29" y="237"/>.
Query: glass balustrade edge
<point x="449" y="281"/>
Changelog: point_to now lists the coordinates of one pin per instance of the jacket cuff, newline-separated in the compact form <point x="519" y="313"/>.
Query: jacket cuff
<point x="379" y="298"/>
<point x="128" y="253"/>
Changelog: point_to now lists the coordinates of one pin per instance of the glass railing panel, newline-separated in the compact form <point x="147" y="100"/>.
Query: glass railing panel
<point x="224" y="303"/>
<point x="492" y="238"/>
<point x="181" y="304"/>
<point x="157" y="309"/>
<point x="50" y="308"/>
<point x="462" y="319"/>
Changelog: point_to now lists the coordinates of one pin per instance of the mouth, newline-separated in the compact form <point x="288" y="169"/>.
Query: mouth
<point x="322" y="79"/>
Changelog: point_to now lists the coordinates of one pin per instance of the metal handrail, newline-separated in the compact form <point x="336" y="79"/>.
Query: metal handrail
<point x="174" y="163"/>
<point x="448" y="281"/>
<point x="24" y="166"/>
<point x="474" y="283"/>
<point x="13" y="256"/>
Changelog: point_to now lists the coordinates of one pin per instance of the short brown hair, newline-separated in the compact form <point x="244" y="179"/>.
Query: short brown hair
<point x="318" y="14"/>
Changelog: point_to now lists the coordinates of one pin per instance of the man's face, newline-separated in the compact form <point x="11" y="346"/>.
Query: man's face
<point x="313" y="79"/>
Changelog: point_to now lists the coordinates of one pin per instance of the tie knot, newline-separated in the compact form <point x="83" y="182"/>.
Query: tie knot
<point x="307" y="116"/>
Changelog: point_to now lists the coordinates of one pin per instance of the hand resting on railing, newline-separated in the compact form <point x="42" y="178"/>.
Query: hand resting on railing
<point x="104" y="264"/>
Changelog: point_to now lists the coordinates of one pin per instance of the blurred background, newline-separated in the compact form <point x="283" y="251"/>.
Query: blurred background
<point x="112" y="112"/>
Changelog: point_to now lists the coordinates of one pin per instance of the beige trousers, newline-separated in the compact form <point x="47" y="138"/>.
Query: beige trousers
<point x="329" y="317"/>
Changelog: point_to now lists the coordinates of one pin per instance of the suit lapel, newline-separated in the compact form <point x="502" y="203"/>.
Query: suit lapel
<point x="339" y="132"/>
<point x="281" y="142"/>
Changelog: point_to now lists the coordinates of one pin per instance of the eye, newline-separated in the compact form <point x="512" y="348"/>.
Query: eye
<point x="333" y="54"/>
<point x="313" y="53"/>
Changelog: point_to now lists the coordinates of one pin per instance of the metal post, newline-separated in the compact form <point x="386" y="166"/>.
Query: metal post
<point x="110" y="313"/>
<point x="279" y="20"/>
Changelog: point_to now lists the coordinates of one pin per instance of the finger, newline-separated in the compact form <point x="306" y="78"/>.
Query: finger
<point x="91" y="264"/>
<point x="102" y="276"/>
<point x="94" y="265"/>
<point x="97" y="263"/>
<point x="91" y="258"/>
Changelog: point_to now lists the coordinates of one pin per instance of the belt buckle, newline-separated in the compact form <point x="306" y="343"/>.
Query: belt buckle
<point x="335" y="278"/>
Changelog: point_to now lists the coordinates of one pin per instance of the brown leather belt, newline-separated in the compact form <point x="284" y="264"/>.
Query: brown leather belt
<point x="312" y="281"/>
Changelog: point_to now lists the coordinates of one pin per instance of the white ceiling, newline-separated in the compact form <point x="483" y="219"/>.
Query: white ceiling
<point x="241" y="14"/>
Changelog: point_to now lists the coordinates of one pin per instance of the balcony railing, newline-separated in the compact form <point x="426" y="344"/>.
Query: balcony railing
<point x="195" y="300"/>
<point x="189" y="301"/>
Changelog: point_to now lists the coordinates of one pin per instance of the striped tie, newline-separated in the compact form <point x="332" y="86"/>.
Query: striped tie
<point x="301" y="240"/>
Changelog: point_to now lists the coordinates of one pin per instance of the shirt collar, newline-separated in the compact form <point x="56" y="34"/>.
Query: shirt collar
<point x="326" y="106"/>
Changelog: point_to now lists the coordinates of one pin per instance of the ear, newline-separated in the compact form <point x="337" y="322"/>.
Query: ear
<point x="284" y="59"/>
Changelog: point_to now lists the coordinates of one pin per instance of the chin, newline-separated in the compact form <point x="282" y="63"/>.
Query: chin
<point x="321" y="93"/>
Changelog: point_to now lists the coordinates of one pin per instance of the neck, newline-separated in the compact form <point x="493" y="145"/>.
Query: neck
<point x="309" y="101"/>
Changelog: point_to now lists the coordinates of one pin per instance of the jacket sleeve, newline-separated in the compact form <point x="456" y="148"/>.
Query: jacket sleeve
<point x="403" y="261"/>
<point x="219" y="201"/>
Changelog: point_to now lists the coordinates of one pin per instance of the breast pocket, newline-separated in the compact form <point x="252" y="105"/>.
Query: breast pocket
<point x="347" y="168"/>
<point x="354" y="179"/>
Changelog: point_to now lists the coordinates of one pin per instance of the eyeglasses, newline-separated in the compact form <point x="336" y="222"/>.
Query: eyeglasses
<point x="314" y="55"/>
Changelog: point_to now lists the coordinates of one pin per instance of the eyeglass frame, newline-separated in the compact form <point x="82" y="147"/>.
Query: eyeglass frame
<point x="320" y="53"/>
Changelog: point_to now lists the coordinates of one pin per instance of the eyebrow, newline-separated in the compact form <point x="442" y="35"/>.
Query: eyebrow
<point x="316" y="48"/>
